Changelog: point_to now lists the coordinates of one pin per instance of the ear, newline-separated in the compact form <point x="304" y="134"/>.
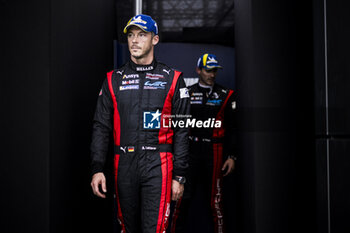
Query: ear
<point x="155" y="39"/>
<point x="198" y="70"/>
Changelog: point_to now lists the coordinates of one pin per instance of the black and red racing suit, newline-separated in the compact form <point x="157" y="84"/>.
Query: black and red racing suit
<point x="132" y="102"/>
<point x="209" y="149"/>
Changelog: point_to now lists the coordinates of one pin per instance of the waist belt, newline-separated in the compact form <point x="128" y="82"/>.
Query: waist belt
<point x="201" y="139"/>
<point x="132" y="149"/>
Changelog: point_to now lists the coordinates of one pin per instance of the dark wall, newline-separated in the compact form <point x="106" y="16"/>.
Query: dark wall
<point x="275" y="90"/>
<point x="25" y="73"/>
<point x="55" y="57"/>
<point x="332" y="119"/>
<point x="82" y="53"/>
<point x="338" y="82"/>
<point x="338" y="135"/>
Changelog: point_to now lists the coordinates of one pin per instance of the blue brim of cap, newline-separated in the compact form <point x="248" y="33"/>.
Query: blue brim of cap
<point x="133" y="24"/>
<point x="212" y="67"/>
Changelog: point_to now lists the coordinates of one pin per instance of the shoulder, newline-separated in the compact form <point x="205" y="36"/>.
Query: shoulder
<point x="165" y="69"/>
<point x="162" y="65"/>
<point x="219" y="87"/>
<point x="114" y="75"/>
<point x="193" y="87"/>
<point x="222" y="89"/>
<point x="120" y="70"/>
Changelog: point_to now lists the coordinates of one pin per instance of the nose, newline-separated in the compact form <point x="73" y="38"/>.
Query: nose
<point x="134" y="39"/>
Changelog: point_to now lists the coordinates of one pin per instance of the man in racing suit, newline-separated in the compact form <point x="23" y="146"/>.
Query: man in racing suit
<point x="212" y="150"/>
<point x="150" y="160"/>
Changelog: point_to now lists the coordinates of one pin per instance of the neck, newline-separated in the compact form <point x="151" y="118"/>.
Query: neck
<point x="146" y="60"/>
<point x="142" y="61"/>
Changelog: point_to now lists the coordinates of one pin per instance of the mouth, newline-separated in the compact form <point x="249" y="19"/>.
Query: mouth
<point x="211" y="81"/>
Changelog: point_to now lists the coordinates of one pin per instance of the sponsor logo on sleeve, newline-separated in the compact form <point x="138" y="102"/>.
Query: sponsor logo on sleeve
<point x="184" y="93"/>
<point x="233" y="105"/>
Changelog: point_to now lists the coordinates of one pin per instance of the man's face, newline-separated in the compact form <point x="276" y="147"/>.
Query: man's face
<point x="207" y="77"/>
<point x="141" y="43"/>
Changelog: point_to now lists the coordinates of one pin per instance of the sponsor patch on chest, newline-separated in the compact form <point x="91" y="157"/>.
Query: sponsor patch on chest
<point x="196" y="98"/>
<point x="214" y="102"/>
<point x="197" y="94"/>
<point x="133" y="81"/>
<point x="154" y="85"/>
<point x="129" y="87"/>
<point x="130" y="76"/>
<point x="196" y="102"/>
<point x="154" y="76"/>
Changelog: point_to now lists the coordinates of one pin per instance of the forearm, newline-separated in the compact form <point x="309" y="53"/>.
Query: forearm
<point x="101" y="130"/>
<point x="181" y="107"/>
<point x="181" y="150"/>
<point x="99" y="147"/>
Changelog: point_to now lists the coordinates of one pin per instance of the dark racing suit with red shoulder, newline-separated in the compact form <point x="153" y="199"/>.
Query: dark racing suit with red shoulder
<point x="132" y="103"/>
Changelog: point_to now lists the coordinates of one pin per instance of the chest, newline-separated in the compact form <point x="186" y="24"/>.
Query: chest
<point x="142" y="88"/>
<point x="204" y="104"/>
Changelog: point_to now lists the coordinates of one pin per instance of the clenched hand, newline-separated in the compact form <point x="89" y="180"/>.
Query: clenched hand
<point x="177" y="190"/>
<point x="230" y="165"/>
<point x="97" y="180"/>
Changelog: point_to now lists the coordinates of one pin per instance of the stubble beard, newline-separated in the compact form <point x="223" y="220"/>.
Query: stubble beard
<point x="207" y="82"/>
<point x="144" y="54"/>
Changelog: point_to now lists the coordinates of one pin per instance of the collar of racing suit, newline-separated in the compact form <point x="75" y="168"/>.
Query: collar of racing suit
<point x="207" y="88"/>
<point x="141" y="68"/>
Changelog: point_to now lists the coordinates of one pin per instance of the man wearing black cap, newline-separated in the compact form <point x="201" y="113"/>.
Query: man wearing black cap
<point x="150" y="160"/>
<point x="212" y="149"/>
